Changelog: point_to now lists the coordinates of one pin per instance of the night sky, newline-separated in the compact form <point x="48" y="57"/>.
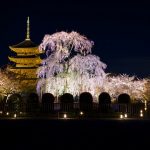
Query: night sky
<point x="120" y="30"/>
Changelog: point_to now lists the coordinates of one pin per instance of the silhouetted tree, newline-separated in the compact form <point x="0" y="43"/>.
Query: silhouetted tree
<point x="104" y="102"/>
<point x="48" y="102"/>
<point x="4" y="99"/>
<point x="1" y="97"/>
<point x="86" y="101"/>
<point x="48" y="98"/>
<point x="66" y="101"/>
<point x="104" y="98"/>
<point x="124" y="99"/>
<point x="2" y="103"/>
<point x="13" y="103"/>
<point x="32" y="102"/>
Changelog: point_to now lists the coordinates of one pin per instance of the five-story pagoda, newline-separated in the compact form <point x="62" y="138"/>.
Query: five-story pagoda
<point x="27" y="57"/>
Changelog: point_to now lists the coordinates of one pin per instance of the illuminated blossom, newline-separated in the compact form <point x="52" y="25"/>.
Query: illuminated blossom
<point x="7" y="84"/>
<point x="63" y="43"/>
<point x="133" y="86"/>
<point x="71" y="67"/>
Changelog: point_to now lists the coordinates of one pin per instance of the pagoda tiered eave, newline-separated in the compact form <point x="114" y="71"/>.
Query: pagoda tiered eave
<point x="21" y="60"/>
<point x="28" y="72"/>
<point x="29" y="50"/>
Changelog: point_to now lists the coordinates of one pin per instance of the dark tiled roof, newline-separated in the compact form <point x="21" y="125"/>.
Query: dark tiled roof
<point x="24" y="67"/>
<point x="28" y="56"/>
<point x="25" y="44"/>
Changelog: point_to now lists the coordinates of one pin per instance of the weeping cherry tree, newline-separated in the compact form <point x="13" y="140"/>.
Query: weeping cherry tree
<point x="69" y="65"/>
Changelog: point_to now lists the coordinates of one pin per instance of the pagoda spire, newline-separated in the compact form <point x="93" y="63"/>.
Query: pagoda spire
<point x="26" y="59"/>
<point x="28" y="29"/>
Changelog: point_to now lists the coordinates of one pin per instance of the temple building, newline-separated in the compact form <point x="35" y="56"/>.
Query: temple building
<point x="27" y="57"/>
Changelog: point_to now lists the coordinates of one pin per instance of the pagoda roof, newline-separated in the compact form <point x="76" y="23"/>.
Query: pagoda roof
<point x="27" y="43"/>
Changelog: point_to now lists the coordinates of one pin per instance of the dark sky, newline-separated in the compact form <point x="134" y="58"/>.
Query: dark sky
<point x="120" y="30"/>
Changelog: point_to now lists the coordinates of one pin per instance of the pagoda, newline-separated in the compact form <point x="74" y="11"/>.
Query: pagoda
<point x="27" y="57"/>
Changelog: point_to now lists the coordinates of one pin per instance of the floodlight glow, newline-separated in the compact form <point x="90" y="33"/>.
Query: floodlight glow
<point x="81" y="113"/>
<point x="145" y="108"/>
<point x="121" y="116"/>
<point x="15" y="115"/>
<point x="65" y="116"/>
<point x="125" y="115"/>
<point x="141" y="114"/>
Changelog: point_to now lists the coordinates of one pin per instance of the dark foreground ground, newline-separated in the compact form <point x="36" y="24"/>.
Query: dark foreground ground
<point x="74" y="134"/>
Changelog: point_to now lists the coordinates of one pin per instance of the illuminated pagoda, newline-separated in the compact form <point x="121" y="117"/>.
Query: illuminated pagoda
<point x="27" y="57"/>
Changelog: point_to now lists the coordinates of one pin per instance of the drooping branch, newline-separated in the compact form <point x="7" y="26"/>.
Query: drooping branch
<point x="71" y="67"/>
